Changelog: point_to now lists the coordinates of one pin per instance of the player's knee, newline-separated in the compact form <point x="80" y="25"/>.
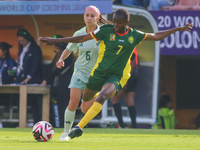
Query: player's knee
<point x="129" y="103"/>
<point x="101" y="98"/>
<point x="73" y="104"/>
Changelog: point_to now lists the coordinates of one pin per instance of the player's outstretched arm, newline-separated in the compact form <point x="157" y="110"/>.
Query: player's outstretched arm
<point x="75" y="39"/>
<point x="165" y="33"/>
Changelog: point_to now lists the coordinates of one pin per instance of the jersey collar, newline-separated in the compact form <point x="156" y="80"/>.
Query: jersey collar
<point x="123" y="33"/>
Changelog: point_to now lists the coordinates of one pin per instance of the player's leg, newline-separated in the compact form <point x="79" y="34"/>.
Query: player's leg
<point x="130" y="95"/>
<point x="76" y="89"/>
<point x="129" y="98"/>
<point x="75" y="96"/>
<point x="86" y="105"/>
<point x="93" y="86"/>
<point x="88" y="94"/>
<point x="108" y="90"/>
<point x="115" y="101"/>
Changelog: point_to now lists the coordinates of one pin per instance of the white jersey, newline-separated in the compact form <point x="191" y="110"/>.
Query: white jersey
<point x="87" y="55"/>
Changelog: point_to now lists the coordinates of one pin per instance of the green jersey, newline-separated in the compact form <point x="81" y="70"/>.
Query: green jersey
<point x="115" y="51"/>
<point x="166" y="119"/>
<point x="87" y="55"/>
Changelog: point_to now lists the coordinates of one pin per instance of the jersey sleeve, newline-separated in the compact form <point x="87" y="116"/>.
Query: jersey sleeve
<point x="73" y="47"/>
<point x="99" y="33"/>
<point x="140" y="36"/>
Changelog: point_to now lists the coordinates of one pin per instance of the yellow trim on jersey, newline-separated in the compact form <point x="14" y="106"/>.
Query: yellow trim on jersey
<point x="102" y="49"/>
<point x="126" y="72"/>
<point x="143" y="38"/>
<point x="91" y="33"/>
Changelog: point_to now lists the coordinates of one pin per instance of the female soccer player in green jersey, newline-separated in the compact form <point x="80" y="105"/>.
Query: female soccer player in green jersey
<point x="112" y="69"/>
<point x="87" y="57"/>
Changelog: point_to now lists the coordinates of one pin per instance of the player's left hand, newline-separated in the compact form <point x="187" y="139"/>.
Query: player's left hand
<point x="47" y="40"/>
<point x="187" y="27"/>
<point x="60" y="63"/>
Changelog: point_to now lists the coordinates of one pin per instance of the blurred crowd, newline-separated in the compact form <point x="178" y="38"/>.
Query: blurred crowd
<point x="162" y="4"/>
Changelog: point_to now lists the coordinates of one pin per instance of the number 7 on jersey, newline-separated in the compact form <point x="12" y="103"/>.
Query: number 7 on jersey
<point x="120" y="48"/>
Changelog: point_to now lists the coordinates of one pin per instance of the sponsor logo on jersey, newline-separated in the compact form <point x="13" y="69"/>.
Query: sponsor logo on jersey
<point x="131" y="39"/>
<point x="112" y="37"/>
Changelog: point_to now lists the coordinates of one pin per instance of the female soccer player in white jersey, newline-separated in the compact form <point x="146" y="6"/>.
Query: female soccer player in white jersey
<point x="87" y="56"/>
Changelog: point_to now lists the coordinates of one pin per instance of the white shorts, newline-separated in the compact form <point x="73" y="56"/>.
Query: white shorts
<point x="76" y="83"/>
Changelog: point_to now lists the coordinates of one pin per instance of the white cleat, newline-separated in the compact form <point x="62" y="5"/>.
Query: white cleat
<point x="64" y="137"/>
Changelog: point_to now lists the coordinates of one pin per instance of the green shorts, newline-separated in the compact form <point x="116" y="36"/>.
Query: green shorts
<point x="95" y="84"/>
<point x="76" y="83"/>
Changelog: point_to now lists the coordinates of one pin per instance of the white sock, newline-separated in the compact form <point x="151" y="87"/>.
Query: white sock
<point x="69" y="120"/>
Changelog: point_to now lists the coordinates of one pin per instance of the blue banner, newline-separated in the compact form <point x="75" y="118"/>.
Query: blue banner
<point x="52" y="7"/>
<point x="56" y="115"/>
<point x="179" y="43"/>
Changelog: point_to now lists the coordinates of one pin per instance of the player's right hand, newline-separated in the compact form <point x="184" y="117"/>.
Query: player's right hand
<point x="60" y="64"/>
<point x="48" y="40"/>
<point x="187" y="27"/>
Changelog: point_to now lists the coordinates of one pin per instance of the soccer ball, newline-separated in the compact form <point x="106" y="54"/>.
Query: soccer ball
<point x="43" y="131"/>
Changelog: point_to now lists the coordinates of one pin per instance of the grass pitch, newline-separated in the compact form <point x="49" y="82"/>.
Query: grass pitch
<point x="104" y="139"/>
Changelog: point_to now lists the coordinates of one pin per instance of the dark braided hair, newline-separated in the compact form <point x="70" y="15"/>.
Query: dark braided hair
<point x="124" y="12"/>
<point x="103" y="21"/>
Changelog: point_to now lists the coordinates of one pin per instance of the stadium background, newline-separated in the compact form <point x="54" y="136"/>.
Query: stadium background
<point x="179" y="54"/>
